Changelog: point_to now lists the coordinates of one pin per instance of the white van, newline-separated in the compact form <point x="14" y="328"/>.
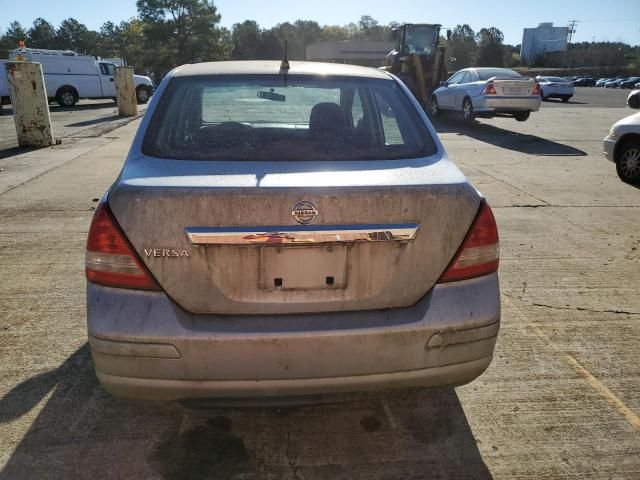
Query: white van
<point x="4" y="86"/>
<point x="69" y="76"/>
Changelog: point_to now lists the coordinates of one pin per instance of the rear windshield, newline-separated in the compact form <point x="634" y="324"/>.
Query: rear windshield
<point x="298" y="118"/>
<point x="554" y="79"/>
<point x="486" y="74"/>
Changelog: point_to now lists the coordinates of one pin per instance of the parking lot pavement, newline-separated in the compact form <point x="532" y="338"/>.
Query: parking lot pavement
<point x="560" y="400"/>
<point x="88" y="118"/>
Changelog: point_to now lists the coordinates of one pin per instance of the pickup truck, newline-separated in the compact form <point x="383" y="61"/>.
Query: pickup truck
<point x="69" y="77"/>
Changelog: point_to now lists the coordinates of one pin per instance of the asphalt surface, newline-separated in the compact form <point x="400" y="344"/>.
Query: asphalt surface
<point x="560" y="400"/>
<point x="87" y="118"/>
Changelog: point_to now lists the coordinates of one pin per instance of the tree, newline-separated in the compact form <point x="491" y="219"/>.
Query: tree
<point x="41" y="35"/>
<point x="109" y="43"/>
<point x="73" y="35"/>
<point x="131" y="43"/>
<point x="368" y="28"/>
<point x="182" y="31"/>
<point x="462" y="46"/>
<point x="295" y="46"/>
<point x="490" y="48"/>
<point x="246" y="38"/>
<point x="10" y="39"/>
<point x="333" y="33"/>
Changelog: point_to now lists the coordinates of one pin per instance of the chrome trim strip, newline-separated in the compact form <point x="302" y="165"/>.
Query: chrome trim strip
<point x="301" y="234"/>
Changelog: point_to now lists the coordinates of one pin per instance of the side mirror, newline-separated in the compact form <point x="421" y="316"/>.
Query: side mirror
<point x="634" y="100"/>
<point x="443" y="83"/>
<point x="394" y="34"/>
<point x="448" y="34"/>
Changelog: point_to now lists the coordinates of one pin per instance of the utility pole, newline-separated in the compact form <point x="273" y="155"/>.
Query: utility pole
<point x="570" y="32"/>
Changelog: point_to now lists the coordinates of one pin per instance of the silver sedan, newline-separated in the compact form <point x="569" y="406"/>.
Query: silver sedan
<point x="487" y="92"/>
<point x="278" y="233"/>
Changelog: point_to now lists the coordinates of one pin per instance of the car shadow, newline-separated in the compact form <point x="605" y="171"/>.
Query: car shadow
<point x="519" y="142"/>
<point x="560" y="102"/>
<point x="95" y="121"/>
<point x="82" y="106"/>
<point x="14" y="150"/>
<point x="7" y="110"/>
<point x="83" y="433"/>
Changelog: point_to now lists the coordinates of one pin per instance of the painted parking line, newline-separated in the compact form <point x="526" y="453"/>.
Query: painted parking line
<point x="602" y="389"/>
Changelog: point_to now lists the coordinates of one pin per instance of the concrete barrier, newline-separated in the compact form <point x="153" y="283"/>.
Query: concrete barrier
<point x="30" y="104"/>
<point x="126" y="92"/>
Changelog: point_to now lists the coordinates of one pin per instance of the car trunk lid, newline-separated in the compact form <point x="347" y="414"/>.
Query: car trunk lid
<point x="513" y="87"/>
<point x="222" y="237"/>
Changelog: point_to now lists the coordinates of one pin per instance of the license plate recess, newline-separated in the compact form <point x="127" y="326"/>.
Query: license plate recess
<point x="303" y="268"/>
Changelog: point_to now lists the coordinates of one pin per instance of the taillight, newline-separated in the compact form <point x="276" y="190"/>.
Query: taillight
<point x="479" y="254"/>
<point x="536" y="89"/>
<point x="490" y="89"/>
<point x="110" y="259"/>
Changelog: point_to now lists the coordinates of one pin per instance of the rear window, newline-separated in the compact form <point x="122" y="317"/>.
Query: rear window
<point x="486" y="74"/>
<point x="303" y="118"/>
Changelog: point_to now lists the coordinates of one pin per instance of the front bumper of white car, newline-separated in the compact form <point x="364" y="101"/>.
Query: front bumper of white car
<point x="609" y="146"/>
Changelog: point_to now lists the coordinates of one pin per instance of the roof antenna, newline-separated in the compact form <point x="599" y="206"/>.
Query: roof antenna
<point x="284" y="65"/>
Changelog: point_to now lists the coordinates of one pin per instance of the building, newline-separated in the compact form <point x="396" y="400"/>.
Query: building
<point x="545" y="38"/>
<point x="371" y="54"/>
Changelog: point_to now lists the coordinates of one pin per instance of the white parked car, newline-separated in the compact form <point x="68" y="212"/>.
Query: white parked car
<point x="555" y="87"/>
<point x="487" y="92"/>
<point x="69" y="76"/>
<point x="622" y="145"/>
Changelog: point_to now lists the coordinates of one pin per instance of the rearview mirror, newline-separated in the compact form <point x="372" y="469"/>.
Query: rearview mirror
<point x="271" y="95"/>
<point x="634" y="100"/>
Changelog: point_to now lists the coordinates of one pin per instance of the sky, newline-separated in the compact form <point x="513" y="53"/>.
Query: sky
<point x="597" y="20"/>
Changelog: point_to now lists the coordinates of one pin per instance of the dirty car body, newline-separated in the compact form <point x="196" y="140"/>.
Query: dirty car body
<point x="277" y="234"/>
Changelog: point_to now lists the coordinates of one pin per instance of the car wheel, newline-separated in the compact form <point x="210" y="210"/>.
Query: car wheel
<point x="66" y="97"/>
<point x="468" y="115"/>
<point x="565" y="99"/>
<point x="628" y="162"/>
<point x="522" y="116"/>
<point x="542" y="97"/>
<point x="142" y="95"/>
<point x="434" y="108"/>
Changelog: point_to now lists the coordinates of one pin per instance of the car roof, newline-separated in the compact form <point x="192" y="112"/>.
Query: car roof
<point x="266" y="67"/>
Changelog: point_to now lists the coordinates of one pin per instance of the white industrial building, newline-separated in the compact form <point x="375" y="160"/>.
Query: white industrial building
<point x="545" y="38"/>
<point x="357" y="52"/>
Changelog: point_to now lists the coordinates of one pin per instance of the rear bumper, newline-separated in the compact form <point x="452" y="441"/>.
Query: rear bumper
<point x="505" y="104"/>
<point x="550" y="92"/>
<point x="146" y="347"/>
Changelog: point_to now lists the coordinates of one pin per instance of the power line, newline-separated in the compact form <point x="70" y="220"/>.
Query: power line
<point x="571" y="30"/>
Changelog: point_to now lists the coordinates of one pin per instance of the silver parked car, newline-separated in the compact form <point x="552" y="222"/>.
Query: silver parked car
<point x="280" y="233"/>
<point x="487" y="92"/>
